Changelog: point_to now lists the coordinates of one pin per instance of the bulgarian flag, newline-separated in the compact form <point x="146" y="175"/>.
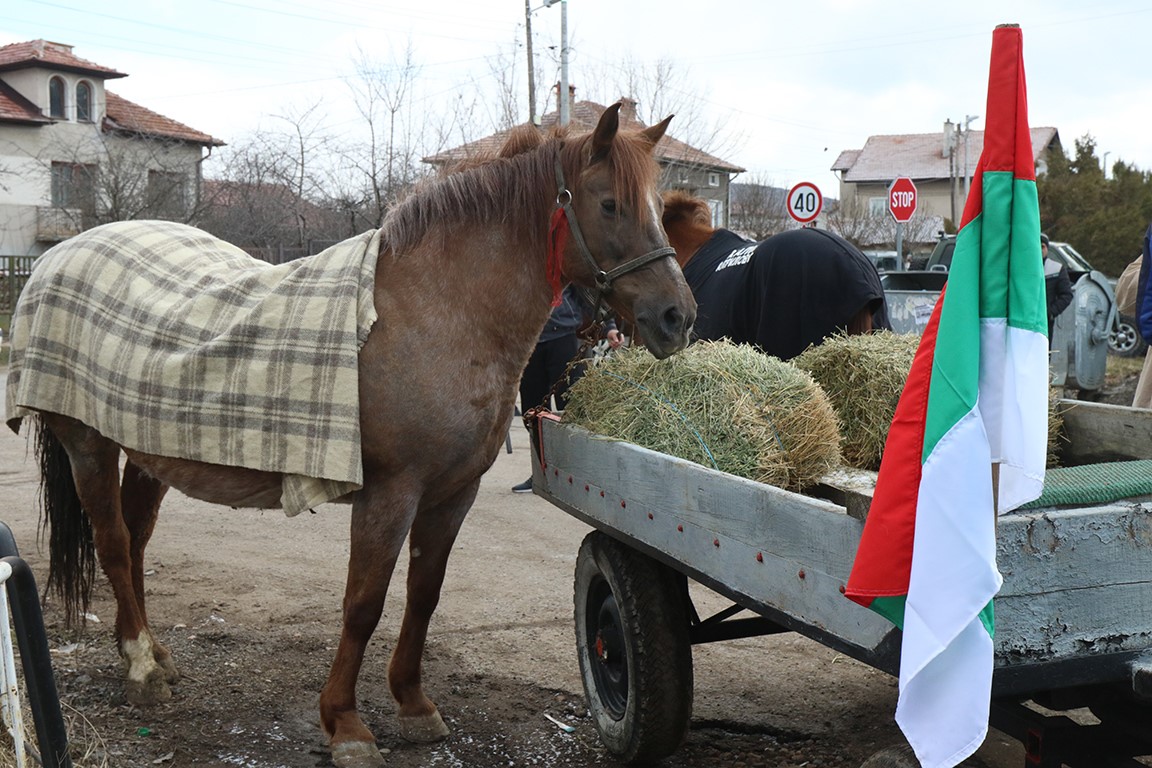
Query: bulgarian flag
<point x="968" y="440"/>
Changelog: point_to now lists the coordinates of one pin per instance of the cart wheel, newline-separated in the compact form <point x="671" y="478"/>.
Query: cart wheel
<point x="632" y="642"/>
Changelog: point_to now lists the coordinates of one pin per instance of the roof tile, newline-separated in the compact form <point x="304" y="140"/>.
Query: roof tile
<point x="14" y="108"/>
<point x="44" y="53"/>
<point x="124" y="115"/>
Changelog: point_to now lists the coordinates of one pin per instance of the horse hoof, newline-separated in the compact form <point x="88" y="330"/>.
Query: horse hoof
<point x="171" y="674"/>
<point x="356" y="754"/>
<point x="423" y="729"/>
<point x="152" y="690"/>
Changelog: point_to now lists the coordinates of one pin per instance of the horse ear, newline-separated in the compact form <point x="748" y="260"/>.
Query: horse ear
<point x="656" y="132"/>
<point x="605" y="132"/>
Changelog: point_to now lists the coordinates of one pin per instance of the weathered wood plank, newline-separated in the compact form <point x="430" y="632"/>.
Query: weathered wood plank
<point x="1099" y="432"/>
<point x="1071" y="550"/>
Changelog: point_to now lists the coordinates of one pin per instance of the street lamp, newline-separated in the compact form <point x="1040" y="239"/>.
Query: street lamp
<point x="564" y="116"/>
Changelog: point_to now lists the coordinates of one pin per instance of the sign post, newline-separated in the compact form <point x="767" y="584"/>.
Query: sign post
<point x="901" y="204"/>
<point x="804" y="203"/>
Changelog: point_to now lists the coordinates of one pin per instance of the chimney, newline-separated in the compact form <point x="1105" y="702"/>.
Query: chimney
<point x="627" y="110"/>
<point x="571" y="98"/>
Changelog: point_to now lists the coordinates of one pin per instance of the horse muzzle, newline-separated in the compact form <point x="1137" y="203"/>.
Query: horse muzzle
<point x="665" y="330"/>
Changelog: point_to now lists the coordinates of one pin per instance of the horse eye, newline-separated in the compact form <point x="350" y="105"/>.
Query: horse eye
<point x="608" y="206"/>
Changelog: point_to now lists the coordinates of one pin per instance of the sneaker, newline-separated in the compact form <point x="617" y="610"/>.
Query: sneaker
<point x="524" y="487"/>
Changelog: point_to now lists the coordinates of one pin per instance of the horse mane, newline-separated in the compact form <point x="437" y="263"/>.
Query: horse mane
<point x="520" y="177"/>
<point x="687" y="221"/>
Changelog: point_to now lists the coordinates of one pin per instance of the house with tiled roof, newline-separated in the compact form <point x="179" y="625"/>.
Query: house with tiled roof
<point x="73" y="154"/>
<point x="940" y="164"/>
<point x="682" y="165"/>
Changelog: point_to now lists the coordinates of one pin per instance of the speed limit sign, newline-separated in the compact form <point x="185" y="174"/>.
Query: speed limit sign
<point x="805" y="202"/>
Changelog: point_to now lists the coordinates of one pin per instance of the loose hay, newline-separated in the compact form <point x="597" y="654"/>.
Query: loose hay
<point x="719" y="404"/>
<point x="863" y="376"/>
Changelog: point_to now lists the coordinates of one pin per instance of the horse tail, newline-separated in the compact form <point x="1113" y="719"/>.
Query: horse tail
<point x="71" y="551"/>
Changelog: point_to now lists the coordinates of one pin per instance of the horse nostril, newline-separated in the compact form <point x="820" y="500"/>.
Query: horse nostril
<point x="674" y="321"/>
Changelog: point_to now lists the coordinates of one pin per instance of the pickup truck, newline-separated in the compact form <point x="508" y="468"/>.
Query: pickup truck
<point x="1080" y="336"/>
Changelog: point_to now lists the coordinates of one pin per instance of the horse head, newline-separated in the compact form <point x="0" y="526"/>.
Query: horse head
<point x="618" y="244"/>
<point x="687" y="221"/>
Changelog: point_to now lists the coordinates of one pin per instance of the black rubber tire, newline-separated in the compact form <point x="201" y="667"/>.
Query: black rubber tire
<point x="1125" y="341"/>
<point x="633" y="647"/>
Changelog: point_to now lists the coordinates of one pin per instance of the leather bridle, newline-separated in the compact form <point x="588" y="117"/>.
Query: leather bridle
<point x="603" y="278"/>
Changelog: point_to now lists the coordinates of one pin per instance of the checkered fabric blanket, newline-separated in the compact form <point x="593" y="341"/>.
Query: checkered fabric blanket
<point x="172" y="342"/>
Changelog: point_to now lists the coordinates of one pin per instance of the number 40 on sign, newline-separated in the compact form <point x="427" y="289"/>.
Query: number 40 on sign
<point x="805" y="202"/>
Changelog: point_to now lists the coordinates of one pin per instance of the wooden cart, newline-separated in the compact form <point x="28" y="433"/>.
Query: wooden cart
<point x="1073" y="619"/>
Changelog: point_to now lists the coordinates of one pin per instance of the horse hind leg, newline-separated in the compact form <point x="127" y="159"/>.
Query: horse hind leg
<point x="94" y="462"/>
<point x="140" y="497"/>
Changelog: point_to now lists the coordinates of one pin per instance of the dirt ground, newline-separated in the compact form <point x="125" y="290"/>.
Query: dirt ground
<point x="249" y="603"/>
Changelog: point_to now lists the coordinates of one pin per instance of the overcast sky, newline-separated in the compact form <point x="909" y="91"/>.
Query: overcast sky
<point x="790" y="84"/>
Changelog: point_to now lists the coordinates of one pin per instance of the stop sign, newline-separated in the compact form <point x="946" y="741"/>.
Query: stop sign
<point x="902" y="199"/>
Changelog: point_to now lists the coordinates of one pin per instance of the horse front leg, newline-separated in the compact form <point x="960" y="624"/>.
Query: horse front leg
<point x="429" y="544"/>
<point x="140" y="497"/>
<point x="381" y="518"/>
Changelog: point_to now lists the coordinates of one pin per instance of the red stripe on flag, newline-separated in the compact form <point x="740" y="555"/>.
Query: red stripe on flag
<point x="884" y="558"/>
<point x="1005" y="147"/>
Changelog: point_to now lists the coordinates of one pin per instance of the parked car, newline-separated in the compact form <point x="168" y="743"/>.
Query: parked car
<point x="885" y="261"/>
<point x="1081" y="335"/>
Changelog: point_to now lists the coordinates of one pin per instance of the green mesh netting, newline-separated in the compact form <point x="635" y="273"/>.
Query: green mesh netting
<point x="1094" y="483"/>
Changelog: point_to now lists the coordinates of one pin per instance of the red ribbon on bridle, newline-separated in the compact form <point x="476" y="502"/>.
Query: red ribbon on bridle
<point x="558" y="234"/>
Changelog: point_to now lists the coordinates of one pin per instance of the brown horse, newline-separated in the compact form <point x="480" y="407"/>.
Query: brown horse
<point x="462" y="290"/>
<point x="782" y="294"/>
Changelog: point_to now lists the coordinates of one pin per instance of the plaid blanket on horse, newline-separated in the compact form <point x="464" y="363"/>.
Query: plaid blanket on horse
<point x="174" y="343"/>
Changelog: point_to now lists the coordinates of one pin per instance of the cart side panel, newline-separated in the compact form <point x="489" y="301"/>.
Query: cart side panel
<point x="1076" y="583"/>
<point x="776" y="548"/>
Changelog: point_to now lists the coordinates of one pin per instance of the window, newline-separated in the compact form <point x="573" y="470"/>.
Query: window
<point x="713" y="179"/>
<point x="717" y="209"/>
<point x="74" y="186"/>
<point x="877" y="206"/>
<point x="56" y="97"/>
<point x="83" y="102"/>
<point x="166" y="194"/>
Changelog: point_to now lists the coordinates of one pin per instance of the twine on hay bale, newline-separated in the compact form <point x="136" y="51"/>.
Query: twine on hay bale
<point x="863" y="376"/>
<point x="719" y="404"/>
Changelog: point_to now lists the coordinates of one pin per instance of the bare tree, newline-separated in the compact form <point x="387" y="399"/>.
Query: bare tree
<point x="758" y="208"/>
<point x="387" y="160"/>
<point x="663" y="88"/>
<point x="274" y="187"/>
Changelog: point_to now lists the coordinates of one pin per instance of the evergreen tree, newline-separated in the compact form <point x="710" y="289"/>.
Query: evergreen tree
<point x="1104" y="219"/>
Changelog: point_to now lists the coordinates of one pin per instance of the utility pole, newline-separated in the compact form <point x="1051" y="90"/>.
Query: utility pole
<point x="949" y="151"/>
<point x="531" y="64"/>
<point x="967" y="121"/>
<point x="564" y="88"/>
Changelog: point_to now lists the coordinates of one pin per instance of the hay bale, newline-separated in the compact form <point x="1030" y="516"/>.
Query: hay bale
<point x="722" y="405"/>
<point x="863" y="376"/>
